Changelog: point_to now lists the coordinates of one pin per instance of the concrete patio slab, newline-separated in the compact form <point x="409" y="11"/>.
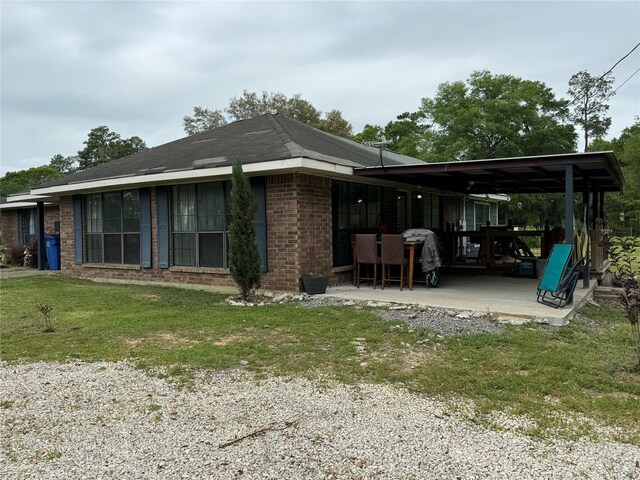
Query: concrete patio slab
<point x="499" y="296"/>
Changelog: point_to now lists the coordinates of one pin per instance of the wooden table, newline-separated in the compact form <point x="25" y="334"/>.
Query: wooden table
<point x="410" y="246"/>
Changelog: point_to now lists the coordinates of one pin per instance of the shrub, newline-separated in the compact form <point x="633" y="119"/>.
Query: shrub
<point x="623" y="256"/>
<point x="244" y="257"/>
<point x="14" y="255"/>
<point x="31" y="254"/>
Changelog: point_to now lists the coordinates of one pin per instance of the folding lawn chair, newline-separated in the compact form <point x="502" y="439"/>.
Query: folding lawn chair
<point x="559" y="279"/>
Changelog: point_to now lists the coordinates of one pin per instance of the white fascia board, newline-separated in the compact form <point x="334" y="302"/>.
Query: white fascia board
<point x="182" y="176"/>
<point x="27" y="197"/>
<point x="15" y="205"/>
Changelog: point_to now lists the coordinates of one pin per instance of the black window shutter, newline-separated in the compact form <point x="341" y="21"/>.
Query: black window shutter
<point x="20" y="227"/>
<point x="145" y="227"/>
<point x="162" y="203"/>
<point x="77" y="228"/>
<point x="260" y="223"/>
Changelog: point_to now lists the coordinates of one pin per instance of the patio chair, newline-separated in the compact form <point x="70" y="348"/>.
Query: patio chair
<point x="559" y="279"/>
<point x="367" y="254"/>
<point x="392" y="255"/>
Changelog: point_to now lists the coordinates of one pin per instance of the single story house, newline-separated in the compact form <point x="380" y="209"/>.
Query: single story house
<point x="162" y="214"/>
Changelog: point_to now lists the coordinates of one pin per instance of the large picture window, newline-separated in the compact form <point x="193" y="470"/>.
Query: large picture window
<point x="112" y="222"/>
<point x="201" y="215"/>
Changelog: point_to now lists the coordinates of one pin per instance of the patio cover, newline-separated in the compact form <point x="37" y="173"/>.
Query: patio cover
<point x="593" y="171"/>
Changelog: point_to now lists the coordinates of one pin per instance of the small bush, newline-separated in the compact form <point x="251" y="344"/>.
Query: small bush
<point x="45" y="310"/>
<point x="14" y="255"/>
<point x="31" y="254"/>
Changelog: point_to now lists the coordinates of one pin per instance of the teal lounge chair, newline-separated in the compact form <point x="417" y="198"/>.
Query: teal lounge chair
<point x="559" y="279"/>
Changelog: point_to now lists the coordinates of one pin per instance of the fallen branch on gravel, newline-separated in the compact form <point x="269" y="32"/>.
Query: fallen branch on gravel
<point x="271" y="427"/>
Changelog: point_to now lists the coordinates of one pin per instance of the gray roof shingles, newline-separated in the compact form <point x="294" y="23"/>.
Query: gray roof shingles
<point x="259" y="139"/>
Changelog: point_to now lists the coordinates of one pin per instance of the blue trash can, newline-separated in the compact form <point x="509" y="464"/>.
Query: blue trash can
<point x="52" y="243"/>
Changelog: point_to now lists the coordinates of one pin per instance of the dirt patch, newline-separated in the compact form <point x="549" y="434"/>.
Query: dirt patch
<point x="228" y="340"/>
<point x="146" y="296"/>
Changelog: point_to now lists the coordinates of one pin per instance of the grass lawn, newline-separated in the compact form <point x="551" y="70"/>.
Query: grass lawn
<point x="581" y="371"/>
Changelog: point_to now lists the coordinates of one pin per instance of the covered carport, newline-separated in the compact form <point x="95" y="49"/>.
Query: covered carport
<point x="591" y="174"/>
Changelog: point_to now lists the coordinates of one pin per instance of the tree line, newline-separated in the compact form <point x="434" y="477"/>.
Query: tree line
<point x="486" y="116"/>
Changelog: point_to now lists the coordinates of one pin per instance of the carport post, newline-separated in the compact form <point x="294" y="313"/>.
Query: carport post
<point x="568" y="210"/>
<point x="585" y="202"/>
<point x="568" y="205"/>
<point x="40" y="235"/>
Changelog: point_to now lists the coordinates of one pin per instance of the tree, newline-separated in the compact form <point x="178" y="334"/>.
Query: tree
<point x="252" y="104"/>
<point x="244" y="257"/>
<point x="334" y="123"/>
<point x="103" y="145"/>
<point x="25" y="180"/>
<point x="495" y="116"/>
<point x="64" y="165"/>
<point x="203" y="120"/>
<point x="588" y="96"/>
<point x="627" y="149"/>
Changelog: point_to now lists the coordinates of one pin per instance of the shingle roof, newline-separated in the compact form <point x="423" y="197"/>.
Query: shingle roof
<point x="259" y="139"/>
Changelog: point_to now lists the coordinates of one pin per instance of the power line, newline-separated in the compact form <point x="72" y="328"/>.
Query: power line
<point x="616" y="64"/>
<point x="630" y="77"/>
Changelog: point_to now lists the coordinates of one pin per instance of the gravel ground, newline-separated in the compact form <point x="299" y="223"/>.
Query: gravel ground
<point x="441" y="321"/>
<point x="109" y="420"/>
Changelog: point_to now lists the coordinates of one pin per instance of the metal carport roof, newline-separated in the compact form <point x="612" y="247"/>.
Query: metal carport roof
<point x="540" y="174"/>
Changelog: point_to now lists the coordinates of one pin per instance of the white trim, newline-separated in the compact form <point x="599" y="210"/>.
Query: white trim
<point x="299" y="164"/>
<point x="15" y="205"/>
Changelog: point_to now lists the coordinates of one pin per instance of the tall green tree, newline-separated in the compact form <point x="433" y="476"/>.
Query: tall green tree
<point x="588" y="96"/>
<point x="64" y="165"/>
<point x="244" y="257"/>
<point x="627" y="149"/>
<point x="103" y="145"/>
<point x="495" y="116"/>
<point x="202" y="120"/>
<point x="252" y="104"/>
<point x="25" y="180"/>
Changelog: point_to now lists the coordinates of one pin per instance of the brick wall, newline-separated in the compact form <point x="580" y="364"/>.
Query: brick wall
<point x="8" y="227"/>
<point x="299" y="239"/>
<point x="9" y="223"/>
<point x="199" y="276"/>
<point x="314" y="225"/>
<point x="299" y="236"/>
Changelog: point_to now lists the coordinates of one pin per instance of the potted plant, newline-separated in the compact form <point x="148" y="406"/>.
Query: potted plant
<point x="315" y="284"/>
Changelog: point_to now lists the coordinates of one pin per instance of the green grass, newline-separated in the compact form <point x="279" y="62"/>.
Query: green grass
<point x="549" y="374"/>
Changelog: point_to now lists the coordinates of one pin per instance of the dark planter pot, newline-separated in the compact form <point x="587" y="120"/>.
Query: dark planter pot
<point x="315" y="284"/>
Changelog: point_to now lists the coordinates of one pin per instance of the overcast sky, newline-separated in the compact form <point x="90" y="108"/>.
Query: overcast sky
<point x="139" y="67"/>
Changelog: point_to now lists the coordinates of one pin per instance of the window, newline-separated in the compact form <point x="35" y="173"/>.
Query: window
<point x="482" y="214"/>
<point x="201" y="215"/>
<point x="112" y="227"/>
<point x="28" y="225"/>
<point x="356" y="209"/>
<point x="431" y="208"/>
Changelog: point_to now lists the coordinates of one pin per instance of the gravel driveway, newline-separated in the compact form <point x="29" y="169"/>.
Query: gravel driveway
<point x="109" y="420"/>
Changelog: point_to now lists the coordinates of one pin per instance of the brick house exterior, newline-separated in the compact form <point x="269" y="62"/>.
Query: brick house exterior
<point x="12" y="220"/>
<point x="308" y="192"/>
